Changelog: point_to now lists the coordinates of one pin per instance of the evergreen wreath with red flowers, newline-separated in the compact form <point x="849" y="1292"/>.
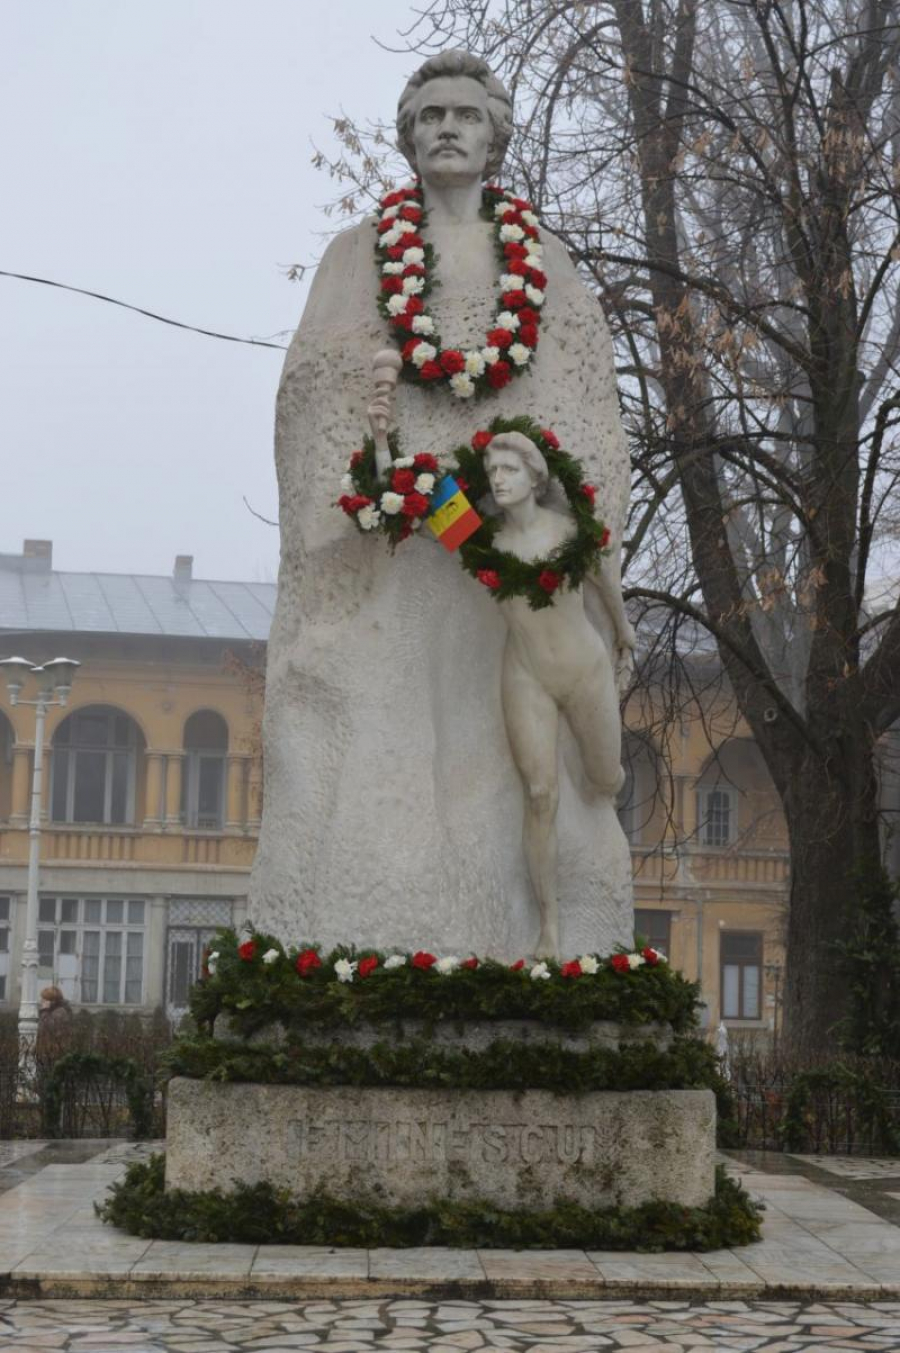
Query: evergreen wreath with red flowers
<point x="407" y="265"/>
<point x="503" y="573"/>
<point x="393" y="505"/>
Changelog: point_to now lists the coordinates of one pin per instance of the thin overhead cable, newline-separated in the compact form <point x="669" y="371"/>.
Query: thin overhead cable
<point x="163" y="319"/>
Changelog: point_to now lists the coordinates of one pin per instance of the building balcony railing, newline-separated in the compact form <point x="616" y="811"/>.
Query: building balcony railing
<point x="68" y="843"/>
<point x="703" y="867"/>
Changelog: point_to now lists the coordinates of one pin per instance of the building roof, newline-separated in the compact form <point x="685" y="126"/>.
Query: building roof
<point x="35" y="597"/>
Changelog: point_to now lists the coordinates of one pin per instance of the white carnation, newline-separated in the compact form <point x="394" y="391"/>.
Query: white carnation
<point x="413" y="285"/>
<point x="532" y="261"/>
<point x="390" y="238"/>
<point x="529" y="218"/>
<point x="424" y="483"/>
<point x="423" y="324"/>
<point x="389" y="213"/>
<point x="344" y="970"/>
<point x="402" y="463"/>
<point x="535" y="295"/>
<point x="519" y="354"/>
<point x="636" y="961"/>
<point x="413" y="255"/>
<point x="212" y="960"/>
<point x="368" y="517"/>
<point x="535" y="250"/>
<point x="462" y="385"/>
<point x="392" y="269"/>
<point x="424" y="352"/>
<point x="510" y="282"/>
<point x="474" y="363"/>
<point x="588" y="963"/>
<point x="540" y="970"/>
<point x="507" y="320"/>
<point x="446" y="965"/>
<point x="271" y="955"/>
<point x="395" y="961"/>
<point x="396" y="305"/>
<point x="391" y="503"/>
<point x="347" y="485"/>
<point x="490" y="355"/>
<point x="405" y="227"/>
<point x="509" y="233"/>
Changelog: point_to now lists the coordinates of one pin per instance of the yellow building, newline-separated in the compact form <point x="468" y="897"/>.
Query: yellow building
<point x="153" y="798"/>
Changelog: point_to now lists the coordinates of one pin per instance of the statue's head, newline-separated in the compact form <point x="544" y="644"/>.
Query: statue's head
<point x="515" y="468"/>
<point x="454" y="119"/>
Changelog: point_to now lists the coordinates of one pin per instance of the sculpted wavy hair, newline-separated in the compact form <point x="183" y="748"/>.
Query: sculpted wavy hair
<point x="530" y="455"/>
<point x="458" y="63"/>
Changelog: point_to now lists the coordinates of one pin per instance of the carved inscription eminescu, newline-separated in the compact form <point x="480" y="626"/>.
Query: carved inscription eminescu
<point x="424" y="1143"/>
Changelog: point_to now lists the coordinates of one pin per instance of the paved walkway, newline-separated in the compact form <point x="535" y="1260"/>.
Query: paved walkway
<point x="817" y="1244"/>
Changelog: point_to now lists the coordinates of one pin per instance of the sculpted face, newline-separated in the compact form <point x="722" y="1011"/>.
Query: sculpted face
<point x="510" y="478"/>
<point x="452" y="130"/>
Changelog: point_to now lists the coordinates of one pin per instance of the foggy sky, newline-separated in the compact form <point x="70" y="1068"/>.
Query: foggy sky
<point x="159" y="151"/>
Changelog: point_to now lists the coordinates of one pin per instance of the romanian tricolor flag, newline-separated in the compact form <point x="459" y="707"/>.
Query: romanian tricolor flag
<point x="452" y="517"/>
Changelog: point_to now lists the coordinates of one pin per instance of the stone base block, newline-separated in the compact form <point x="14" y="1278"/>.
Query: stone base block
<point x="401" y="1146"/>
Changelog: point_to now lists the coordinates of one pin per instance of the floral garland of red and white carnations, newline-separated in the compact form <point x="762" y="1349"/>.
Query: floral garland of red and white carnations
<point x="407" y="263"/>
<point x="395" y="504"/>
<point x="308" y="961"/>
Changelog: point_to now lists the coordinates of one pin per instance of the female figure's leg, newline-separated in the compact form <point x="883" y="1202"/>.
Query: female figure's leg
<point x="532" y="721"/>
<point x="592" y="710"/>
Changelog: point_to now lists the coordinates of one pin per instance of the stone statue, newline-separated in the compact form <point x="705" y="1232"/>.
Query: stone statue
<point x="393" y="804"/>
<point x="554" y="662"/>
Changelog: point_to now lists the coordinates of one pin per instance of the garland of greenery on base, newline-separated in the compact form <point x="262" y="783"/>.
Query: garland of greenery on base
<point x="687" y="1064"/>
<point x="76" y="1067"/>
<point x="259" y="982"/>
<point x="503" y="573"/>
<point x="257" y="1214"/>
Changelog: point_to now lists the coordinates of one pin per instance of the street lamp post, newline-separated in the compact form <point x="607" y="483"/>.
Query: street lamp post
<point x="54" y="684"/>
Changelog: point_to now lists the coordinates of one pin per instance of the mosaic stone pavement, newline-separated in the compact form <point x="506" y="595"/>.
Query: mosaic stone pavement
<point x="451" y="1327"/>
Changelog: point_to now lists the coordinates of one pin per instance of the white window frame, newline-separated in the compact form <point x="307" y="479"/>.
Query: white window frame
<point x="104" y="928"/>
<point x="193" y="759"/>
<point x="110" y="748"/>
<point x="742" y="965"/>
<point x="705" y="820"/>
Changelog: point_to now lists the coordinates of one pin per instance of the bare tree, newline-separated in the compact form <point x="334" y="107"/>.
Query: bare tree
<point x="726" y="174"/>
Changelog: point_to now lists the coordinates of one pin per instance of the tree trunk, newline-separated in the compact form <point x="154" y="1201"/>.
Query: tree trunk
<point x="831" y="810"/>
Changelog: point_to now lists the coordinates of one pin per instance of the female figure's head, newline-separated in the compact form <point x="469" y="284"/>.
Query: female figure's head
<point x="515" y="468"/>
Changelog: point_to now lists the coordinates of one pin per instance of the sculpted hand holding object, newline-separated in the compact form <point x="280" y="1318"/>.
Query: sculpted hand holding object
<point x="554" y="662"/>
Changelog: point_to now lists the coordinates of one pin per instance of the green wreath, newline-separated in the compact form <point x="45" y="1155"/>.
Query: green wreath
<point x="503" y="573"/>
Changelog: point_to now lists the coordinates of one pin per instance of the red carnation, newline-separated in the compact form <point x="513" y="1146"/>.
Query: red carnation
<point x="572" y="969"/>
<point x="367" y="965"/>
<point x="515" y="250"/>
<point x="522" y="204"/>
<point x="402" y="321"/>
<point x="530" y="232"/>
<point x="356" y="459"/>
<point x="514" y="300"/>
<point x="482" y="440"/>
<point x="528" y="335"/>
<point x="511" y="217"/>
<point x="488" y="577"/>
<point x="415" y="305"/>
<point x="409" y="348"/>
<point x="392" y="199"/>
<point x="528" y="316"/>
<point x="462" y="484"/>
<point x="405" y="531"/>
<point x="413" y="242"/>
<point x="620" y="962"/>
<point x="354" y="504"/>
<point x="516" y="267"/>
<point x="384" y="226"/>
<point x="470" y="963"/>
<point x="414" y="270"/>
<point x="426" y="461"/>
<point x="453" y="361"/>
<point x="549" y="581"/>
<point x="423" y="960"/>
<point x="538" y="278"/>
<point x="517" y="966"/>
<point x="650" y="957"/>
<point x="431" y="371"/>
<point x="415" y="505"/>
<point x="499" y="374"/>
<point x="396" y="252"/>
<point x="392" y="286"/>
<point x="403" y="481"/>
<point x="410" y="213"/>
<point x="307" y="962"/>
<point x="589" y="491"/>
<point x="550" y="438"/>
<point x="247" y="950"/>
<point x="500" y="338"/>
<point x="604" y="539"/>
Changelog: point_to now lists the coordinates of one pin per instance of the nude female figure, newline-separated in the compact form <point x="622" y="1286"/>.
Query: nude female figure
<point x="554" y="662"/>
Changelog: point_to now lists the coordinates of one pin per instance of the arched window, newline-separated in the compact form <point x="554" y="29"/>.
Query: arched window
<point x="736" y="800"/>
<point x="94" y="767"/>
<point x="203" y="786"/>
<point x="639" y="796"/>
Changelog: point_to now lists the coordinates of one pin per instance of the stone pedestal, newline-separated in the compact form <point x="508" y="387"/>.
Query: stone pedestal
<point x="401" y="1146"/>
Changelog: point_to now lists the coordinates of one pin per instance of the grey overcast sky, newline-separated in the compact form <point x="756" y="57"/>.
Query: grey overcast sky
<point x="160" y="151"/>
